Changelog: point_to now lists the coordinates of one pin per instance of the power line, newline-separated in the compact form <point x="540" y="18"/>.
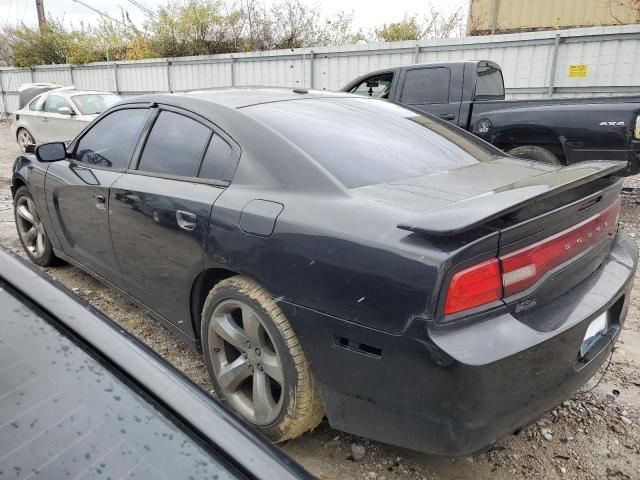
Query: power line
<point x="102" y="14"/>
<point x="144" y="8"/>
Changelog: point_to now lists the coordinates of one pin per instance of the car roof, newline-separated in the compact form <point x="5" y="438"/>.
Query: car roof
<point x="239" y="97"/>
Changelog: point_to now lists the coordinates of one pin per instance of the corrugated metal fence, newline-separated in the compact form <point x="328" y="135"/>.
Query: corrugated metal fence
<point x="535" y="64"/>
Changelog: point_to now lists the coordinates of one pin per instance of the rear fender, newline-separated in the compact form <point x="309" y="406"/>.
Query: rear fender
<point x="512" y="137"/>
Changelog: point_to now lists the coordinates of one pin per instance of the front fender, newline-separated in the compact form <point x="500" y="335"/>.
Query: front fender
<point x="21" y="171"/>
<point x="28" y="171"/>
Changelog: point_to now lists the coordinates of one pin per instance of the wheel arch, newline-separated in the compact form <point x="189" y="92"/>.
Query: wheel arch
<point x="201" y="287"/>
<point x="16" y="183"/>
<point x="535" y="136"/>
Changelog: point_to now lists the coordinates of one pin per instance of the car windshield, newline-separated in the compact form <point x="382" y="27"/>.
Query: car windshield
<point x="92" y="103"/>
<point x="372" y="141"/>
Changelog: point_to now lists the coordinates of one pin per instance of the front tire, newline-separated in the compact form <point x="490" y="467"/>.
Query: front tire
<point x="255" y="362"/>
<point x="533" y="152"/>
<point x="31" y="232"/>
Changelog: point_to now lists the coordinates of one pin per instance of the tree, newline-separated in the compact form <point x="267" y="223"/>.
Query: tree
<point x="434" y="25"/>
<point x="408" y="28"/>
<point x="338" y="30"/>
<point x="38" y="46"/>
<point x="199" y="27"/>
<point x="6" y="53"/>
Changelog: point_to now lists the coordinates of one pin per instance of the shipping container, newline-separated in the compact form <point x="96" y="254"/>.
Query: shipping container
<point x="488" y="17"/>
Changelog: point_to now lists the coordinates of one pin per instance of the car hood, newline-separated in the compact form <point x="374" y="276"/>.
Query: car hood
<point x="456" y="200"/>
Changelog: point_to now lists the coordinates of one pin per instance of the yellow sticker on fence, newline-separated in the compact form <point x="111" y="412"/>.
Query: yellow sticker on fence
<point x="577" y="71"/>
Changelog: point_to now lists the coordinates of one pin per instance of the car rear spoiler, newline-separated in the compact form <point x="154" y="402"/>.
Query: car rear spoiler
<point x="472" y="212"/>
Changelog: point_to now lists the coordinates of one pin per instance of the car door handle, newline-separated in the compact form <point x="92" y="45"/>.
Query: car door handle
<point x="186" y="220"/>
<point x="447" y="116"/>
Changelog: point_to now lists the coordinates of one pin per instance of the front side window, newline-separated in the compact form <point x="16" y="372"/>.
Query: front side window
<point x="111" y="141"/>
<point x="93" y="103"/>
<point x="377" y="86"/>
<point x="55" y="102"/>
<point x="426" y="85"/>
<point x="175" y="145"/>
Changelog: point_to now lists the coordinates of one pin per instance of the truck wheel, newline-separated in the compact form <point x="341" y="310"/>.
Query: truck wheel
<point x="33" y="237"/>
<point x="532" y="152"/>
<point x="255" y="362"/>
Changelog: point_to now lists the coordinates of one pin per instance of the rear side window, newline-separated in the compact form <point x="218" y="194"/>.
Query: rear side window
<point x="218" y="163"/>
<point x="111" y="141"/>
<point x="426" y="85"/>
<point x="174" y="146"/>
<point x="490" y="85"/>
<point x="36" y="104"/>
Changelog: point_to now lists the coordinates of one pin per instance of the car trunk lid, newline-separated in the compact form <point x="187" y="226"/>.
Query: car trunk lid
<point x="528" y="205"/>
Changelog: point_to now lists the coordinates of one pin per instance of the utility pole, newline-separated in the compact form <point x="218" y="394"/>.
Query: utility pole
<point x="40" y="9"/>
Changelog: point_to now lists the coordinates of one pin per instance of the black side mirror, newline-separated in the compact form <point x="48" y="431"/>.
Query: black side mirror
<point x="51" y="152"/>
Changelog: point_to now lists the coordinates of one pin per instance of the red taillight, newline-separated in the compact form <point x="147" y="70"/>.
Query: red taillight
<point x="523" y="268"/>
<point x="474" y="286"/>
<point x="513" y="273"/>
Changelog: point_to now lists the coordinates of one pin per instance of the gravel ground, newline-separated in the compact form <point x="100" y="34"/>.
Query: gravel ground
<point x="594" y="435"/>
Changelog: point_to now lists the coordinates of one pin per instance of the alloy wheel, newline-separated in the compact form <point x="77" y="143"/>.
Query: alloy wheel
<point x="24" y="139"/>
<point x="30" y="227"/>
<point x="245" y="361"/>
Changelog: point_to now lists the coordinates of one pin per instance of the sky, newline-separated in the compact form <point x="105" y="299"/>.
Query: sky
<point x="367" y="13"/>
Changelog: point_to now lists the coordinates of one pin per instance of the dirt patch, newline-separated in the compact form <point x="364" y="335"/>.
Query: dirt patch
<point x="593" y="435"/>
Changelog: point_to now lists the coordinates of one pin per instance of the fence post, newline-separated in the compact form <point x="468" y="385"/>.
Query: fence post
<point x="115" y="78"/>
<point x="554" y="62"/>
<point x="5" y="109"/>
<point x="33" y="75"/>
<point x="416" y="53"/>
<point x="233" y="71"/>
<point x="71" y="74"/>
<point x="169" y="76"/>
<point x="312" y="58"/>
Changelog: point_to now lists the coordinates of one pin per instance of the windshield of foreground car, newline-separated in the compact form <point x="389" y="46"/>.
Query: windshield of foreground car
<point x="92" y="103"/>
<point x="366" y="142"/>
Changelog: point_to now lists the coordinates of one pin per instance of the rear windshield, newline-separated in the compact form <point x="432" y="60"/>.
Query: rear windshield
<point x="364" y="142"/>
<point x="490" y="85"/>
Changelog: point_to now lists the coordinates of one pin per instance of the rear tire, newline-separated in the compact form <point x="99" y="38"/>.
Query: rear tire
<point x="255" y="362"/>
<point x="24" y="138"/>
<point x="533" y="152"/>
<point x="31" y="232"/>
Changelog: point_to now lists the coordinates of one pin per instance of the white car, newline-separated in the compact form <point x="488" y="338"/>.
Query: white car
<point x="58" y="115"/>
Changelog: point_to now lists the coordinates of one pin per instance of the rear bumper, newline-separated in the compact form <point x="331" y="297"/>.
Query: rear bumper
<point x="454" y="391"/>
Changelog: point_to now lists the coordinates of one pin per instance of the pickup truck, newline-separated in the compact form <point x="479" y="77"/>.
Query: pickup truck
<point x="470" y="94"/>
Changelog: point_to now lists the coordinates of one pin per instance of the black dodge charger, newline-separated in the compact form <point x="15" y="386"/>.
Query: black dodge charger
<point x="343" y="256"/>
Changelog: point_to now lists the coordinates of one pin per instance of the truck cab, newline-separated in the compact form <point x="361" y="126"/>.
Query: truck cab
<point x="471" y="95"/>
<point x="446" y="90"/>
